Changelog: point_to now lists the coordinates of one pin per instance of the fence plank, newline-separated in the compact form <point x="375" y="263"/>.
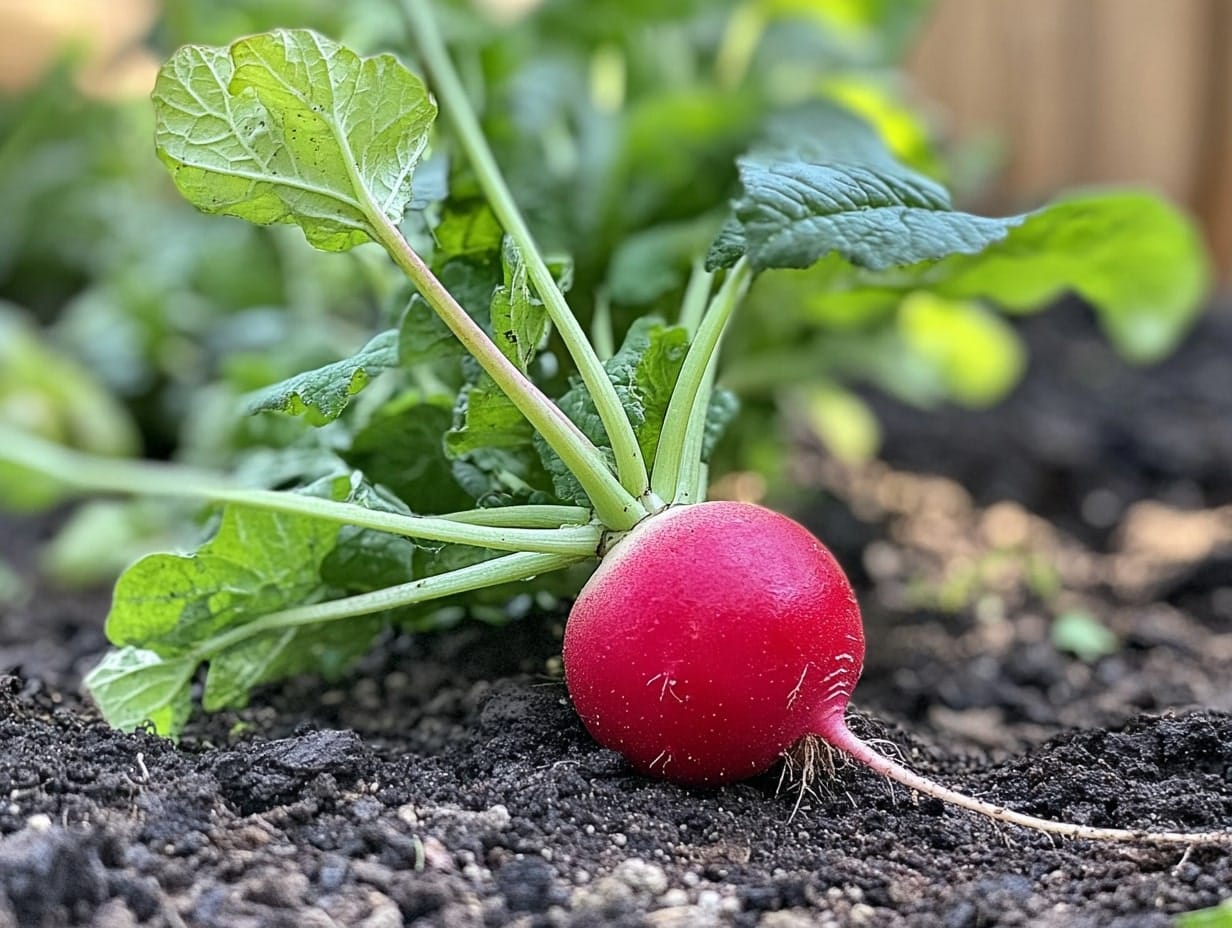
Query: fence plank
<point x="1092" y="91"/>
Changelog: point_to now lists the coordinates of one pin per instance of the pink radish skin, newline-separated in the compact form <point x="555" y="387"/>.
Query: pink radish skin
<point x="715" y="636"/>
<point x="696" y="671"/>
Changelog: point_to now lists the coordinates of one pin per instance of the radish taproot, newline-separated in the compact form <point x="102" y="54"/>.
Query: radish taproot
<point x="715" y="636"/>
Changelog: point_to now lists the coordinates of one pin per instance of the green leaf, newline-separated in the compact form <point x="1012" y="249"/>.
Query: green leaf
<point x="720" y="413"/>
<point x="656" y="261"/>
<point x="256" y="563"/>
<point x="824" y="182"/>
<point x="467" y="228"/>
<point x="842" y="421"/>
<point x="824" y="191"/>
<point x="486" y="418"/>
<point x="134" y="686"/>
<point x="1219" y="916"/>
<point x="977" y="356"/>
<point x="289" y="126"/>
<point x="645" y="370"/>
<point x="275" y="655"/>
<point x="363" y="559"/>
<point x="504" y="477"/>
<point x="401" y="448"/>
<point x="423" y="337"/>
<point x="519" y="320"/>
<point x="321" y="395"/>
<point x="1137" y="260"/>
<point x="168" y="610"/>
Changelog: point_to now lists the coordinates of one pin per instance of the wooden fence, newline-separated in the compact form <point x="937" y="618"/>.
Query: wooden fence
<point x="1093" y="91"/>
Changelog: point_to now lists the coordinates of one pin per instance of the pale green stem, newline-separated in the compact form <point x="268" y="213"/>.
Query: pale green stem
<point x="684" y="423"/>
<point x="508" y="569"/>
<point x="601" y="326"/>
<point x="529" y="516"/>
<point x="696" y="295"/>
<point x="630" y="465"/>
<point x="691" y="479"/>
<point x="613" y="503"/>
<point x="694" y="492"/>
<point x="111" y="475"/>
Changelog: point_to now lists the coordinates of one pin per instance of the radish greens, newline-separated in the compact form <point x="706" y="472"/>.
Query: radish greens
<point x="545" y="374"/>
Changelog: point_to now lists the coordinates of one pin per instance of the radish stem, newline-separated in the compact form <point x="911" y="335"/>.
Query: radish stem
<point x="680" y="443"/>
<point x="613" y="503"/>
<point x="630" y="465"/>
<point x="113" y="475"/>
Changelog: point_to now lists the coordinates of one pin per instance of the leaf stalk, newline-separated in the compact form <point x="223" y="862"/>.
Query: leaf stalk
<point x="613" y="503"/>
<point x="99" y="474"/>
<point x="630" y="465"/>
<point x="678" y="461"/>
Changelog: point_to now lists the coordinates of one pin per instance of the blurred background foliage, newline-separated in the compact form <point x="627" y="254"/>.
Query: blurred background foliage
<point x="131" y="324"/>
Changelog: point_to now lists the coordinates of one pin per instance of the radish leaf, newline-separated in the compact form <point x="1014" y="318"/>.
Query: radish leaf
<point x="823" y="185"/>
<point x="976" y="355"/>
<point x="825" y="182"/>
<point x="400" y="449"/>
<point x="467" y="229"/>
<point x="423" y="337"/>
<point x="289" y="126"/>
<point x="171" y="613"/>
<point x="133" y="686"/>
<point x="1137" y="260"/>
<point x="325" y="649"/>
<point x="519" y="320"/>
<point x="486" y="418"/>
<point x="257" y="562"/>
<point x="322" y="394"/>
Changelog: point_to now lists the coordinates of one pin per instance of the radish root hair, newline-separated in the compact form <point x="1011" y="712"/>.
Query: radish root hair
<point x="808" y="766"/>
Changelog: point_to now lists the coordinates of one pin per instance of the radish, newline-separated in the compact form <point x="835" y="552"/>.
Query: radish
<point x="715" y="636"/>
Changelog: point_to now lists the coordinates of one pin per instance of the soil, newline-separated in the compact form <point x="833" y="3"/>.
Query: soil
<point x="446" y="781"/>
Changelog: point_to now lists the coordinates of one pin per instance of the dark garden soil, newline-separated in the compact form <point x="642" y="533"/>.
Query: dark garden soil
<point x="447" y="781"/>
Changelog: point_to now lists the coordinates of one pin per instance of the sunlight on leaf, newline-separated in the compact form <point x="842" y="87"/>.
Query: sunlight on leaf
<point x="289" y="126"/>
<point x="133" y="686"/>
<point x="843" y="422"/>
<point x="257" y="562"/>
<point x="977" y="355"/>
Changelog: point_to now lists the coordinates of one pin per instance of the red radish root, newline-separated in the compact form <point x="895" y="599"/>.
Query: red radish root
<point x="715" y="636"/>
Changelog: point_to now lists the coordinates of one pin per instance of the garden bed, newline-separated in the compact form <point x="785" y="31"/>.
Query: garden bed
<point x="448" y="782"/>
